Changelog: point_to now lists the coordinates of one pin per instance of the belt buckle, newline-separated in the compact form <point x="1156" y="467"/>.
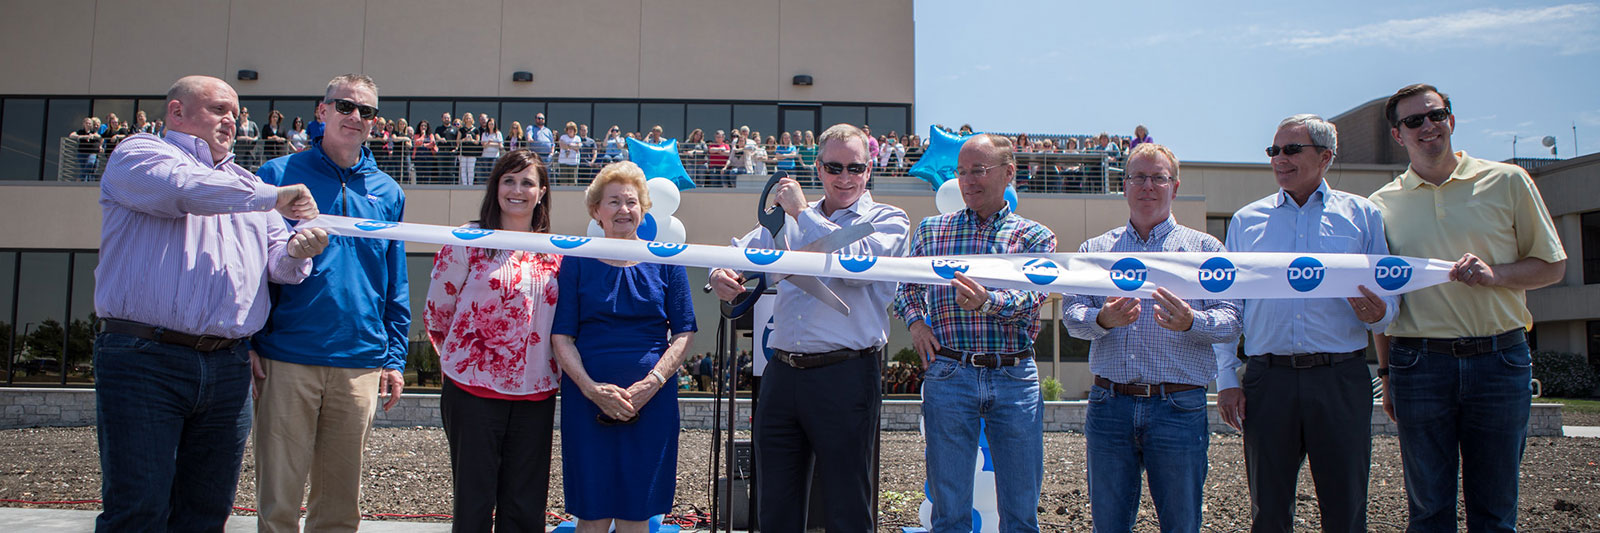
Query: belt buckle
<point x="972" y="359"/>
<point x="208" y="343"/>
<point x="1148" y="390"/>
<point x="1457" y="345"/>
<point x="1294" y="361"/>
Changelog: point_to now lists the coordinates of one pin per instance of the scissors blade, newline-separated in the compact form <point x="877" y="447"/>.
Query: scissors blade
<point x="821" y="292"/>
<point x="840" y="238"/>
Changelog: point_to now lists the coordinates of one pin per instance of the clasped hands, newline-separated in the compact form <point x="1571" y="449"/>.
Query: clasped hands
<point x="620" y="403"/>
<point x="295" y="202"/>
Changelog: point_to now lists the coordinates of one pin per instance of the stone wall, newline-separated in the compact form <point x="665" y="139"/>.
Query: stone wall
<point x="36" y="407"/>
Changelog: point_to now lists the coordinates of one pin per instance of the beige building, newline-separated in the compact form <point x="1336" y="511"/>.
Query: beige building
<point x="689" y="64"/>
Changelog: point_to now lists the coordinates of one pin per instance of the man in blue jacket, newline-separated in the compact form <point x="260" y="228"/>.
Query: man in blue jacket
<point x="337" y="341"/>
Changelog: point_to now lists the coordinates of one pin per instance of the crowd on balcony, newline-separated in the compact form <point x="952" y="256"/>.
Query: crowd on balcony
<point x="459" y="150"/>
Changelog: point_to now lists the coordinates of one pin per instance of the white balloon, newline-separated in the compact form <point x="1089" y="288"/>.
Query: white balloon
<point x="595" y="230"/>
<point x="925" y="514"/>
<point x="672" y="231"/>
<point x="948" y="199"/>
<point x="664" y="196"/>
<point x="984" y="497"/>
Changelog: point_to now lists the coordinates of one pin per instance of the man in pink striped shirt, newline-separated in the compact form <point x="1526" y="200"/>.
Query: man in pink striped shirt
<point x="188" y="242"/>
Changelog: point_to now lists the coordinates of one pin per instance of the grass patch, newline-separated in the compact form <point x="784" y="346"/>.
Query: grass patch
<point x="1576" y="405"/>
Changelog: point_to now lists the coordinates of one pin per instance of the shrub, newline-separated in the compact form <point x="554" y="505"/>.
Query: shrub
<point x="1563" y="375"/>
<point x="908" y="356"/>
<point x="1050" y="389"/>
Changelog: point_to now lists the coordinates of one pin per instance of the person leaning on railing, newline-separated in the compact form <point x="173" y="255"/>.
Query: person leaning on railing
<point x="424" y="151"/>
<point x="299" y="140"/>
<point x="274" y="138"/>
<point x="693" y="151"/>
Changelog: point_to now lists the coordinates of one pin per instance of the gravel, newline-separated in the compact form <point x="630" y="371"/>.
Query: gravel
<point x="408" y="474"/>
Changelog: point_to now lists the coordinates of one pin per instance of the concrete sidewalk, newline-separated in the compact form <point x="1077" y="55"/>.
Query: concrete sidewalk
<point x="62" y="520"/>
<point x="1581" y="431"/>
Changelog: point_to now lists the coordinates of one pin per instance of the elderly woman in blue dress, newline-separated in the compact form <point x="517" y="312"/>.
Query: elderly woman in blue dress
<point x="620" y="331"/>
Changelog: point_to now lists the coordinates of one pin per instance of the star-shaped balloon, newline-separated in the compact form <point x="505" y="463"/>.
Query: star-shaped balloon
<point x="660" y="161"/>
<point x="938" y="163"/>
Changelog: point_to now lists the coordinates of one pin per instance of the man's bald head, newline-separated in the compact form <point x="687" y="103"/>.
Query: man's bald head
<point x="186" y="88"/>
<point x="204" y="107"/>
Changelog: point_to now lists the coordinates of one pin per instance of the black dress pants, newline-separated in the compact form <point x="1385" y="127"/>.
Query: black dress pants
<point x="1323" y="413"/>
<point x="499" y="460"/>
<point x="831" y="413"/>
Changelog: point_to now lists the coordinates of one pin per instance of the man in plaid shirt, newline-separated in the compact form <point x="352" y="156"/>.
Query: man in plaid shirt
<point x="1152" y="360"/>
<point x="977" y="348"/>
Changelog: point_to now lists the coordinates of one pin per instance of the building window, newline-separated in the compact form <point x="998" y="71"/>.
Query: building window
<point x="21" y="131"/>
<point x="1218" y="227"/>
<point x="1591" y="248"/>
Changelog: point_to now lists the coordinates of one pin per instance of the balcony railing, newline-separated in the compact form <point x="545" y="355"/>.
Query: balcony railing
<point x="448" y="163"/>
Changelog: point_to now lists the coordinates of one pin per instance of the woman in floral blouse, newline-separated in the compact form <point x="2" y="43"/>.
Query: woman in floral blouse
<point x="489" y="314"/>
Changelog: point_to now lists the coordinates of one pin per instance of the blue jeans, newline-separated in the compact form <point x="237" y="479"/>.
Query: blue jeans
<point x="172" y="425"/>
<point x="1164" y="436"/>
<point x="954" y="398"/>
<point x="1449" y="410"/>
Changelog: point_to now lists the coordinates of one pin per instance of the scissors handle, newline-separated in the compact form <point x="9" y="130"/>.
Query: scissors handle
<point x="772" y="219"/>
<point x="743" y="303"/>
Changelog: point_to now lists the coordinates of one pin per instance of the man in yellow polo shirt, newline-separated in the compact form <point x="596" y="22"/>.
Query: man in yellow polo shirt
<point x="1455" y="361"/>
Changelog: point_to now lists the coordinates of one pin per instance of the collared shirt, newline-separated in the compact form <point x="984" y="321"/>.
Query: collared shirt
<point x="1009" y="319"/>
<point x="186" y="244"/>
<point x="1489" y="209"/>
<point x="1144" y="352"/>
<point x="541" y="140"/>
<point x="806" y="325"/>
<point x="1331" y="221"/>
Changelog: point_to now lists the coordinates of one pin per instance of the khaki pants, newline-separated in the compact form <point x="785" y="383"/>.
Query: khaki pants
<point x="312" y="420"/>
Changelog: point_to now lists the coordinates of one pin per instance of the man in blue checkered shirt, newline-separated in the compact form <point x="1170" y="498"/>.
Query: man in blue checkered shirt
<point x="977" y="347"/>
<point x="1152" y="360"/>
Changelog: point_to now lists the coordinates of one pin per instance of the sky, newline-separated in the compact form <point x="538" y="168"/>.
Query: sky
<point x="1211" y="80"/>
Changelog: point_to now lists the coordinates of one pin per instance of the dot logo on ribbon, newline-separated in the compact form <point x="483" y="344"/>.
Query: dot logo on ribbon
<point x="1128" y="273"/>
<point x="1392" y="273"/>
<point x="1041" y="271"/>
<point x="1216" y="274"/>
<point x="947" y="268"/>
<point x="665" y="249"/>
<point x="1305" y="273"/>
<point x="375" y="225"/>
<point x="568" y="242"/>
<point x="762" y="256"/>
<point x="856" y="263"/>
<point x="467" y="234"/>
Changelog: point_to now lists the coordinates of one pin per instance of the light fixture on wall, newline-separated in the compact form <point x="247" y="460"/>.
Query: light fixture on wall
<point x="802" y="80"/>
<point x="248" y="75"/>
<point x="522" y="76"/>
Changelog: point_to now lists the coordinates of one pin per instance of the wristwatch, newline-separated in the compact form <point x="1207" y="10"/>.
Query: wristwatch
<point x="657" y="375"/>
<point x="1383" y="371"/>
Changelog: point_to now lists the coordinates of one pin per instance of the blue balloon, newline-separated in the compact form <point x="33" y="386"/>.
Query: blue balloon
<point x="1011" y="197"/>
<point x="647" y="228"/>
<point x="660" y="161"/>
<point x="938" y="163"/>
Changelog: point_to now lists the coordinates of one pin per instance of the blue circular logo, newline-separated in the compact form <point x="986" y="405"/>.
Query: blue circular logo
<point x="665" y="249"/>
<point x="1305" y="273"/>
<point x="467" y="234"/>
<point x="947" y="268"/>
<point x="1392" y="273"/>
<point x="1216" y="274"/>
<point x="856" y="263"/>
<point x="1041" y="271"/>
<point x="568" y="242"/>
<point x="762" y="256"/>
<point x="1128" y="273"/>
<point x="375" y="225"/>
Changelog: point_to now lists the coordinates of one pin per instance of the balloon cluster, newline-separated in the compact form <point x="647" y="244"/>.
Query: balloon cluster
<point x="658" y="225"/>
<point x="985" y="502"/>
<point x="938" y="168"/>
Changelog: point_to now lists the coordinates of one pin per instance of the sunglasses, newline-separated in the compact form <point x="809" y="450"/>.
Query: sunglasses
<point x="345" y="107"/>
<point x="1415" y="121"/>
<point x="1291" y="149"/>
<point x="833" y="167"/>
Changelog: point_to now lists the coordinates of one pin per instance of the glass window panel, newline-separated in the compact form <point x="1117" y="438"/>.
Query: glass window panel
<point x="42" y="311"/>
<point x="710" y="118"/>
<point x="422" y="362"/>
<point x="886" y="120"/>
<point x="66" y="116"/>
<point x="479" y="108"/>
<point x="1594" y="342"/>
<point x="80" y="328"/>
<point x="842" y="114"/>
<point x="559" y="113"/>
<point x="521" y="112"/>
<point x="304" y="108"/>
<point x="8" y="329"/>
<point x="123" y="108"/>
<point x="1591" y="247"/>
<point x="1217" y="227"/>
<point x="668" y="116"/>
<point x="800" y="119"/>
<point x="429" y="110"/>
<point x="390" y="110"/>
<point x="20" y="134"/>
<point x="760" y="118"/>
<point x="154" y="109"/>
<point x="625" y="116"/>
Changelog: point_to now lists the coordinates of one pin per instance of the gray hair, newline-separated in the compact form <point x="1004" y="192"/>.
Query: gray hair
<point x="1322" y="132"/>
<point x="350" y="79"/>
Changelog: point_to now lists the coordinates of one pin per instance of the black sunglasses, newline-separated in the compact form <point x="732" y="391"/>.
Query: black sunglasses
<point x="1415" y="121"/>
<point x="1291" y="149"/>
<point x="833" y="167"/>
<point x="345" y="107"/>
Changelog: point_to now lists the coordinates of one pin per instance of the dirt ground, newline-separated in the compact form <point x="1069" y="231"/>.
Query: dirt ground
<point x="408" y="473"/>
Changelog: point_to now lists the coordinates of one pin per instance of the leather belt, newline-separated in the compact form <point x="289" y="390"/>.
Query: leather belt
<point x="1308" y="360"/>
<point x="1144" y="390"/>
<point x="815" y="360"/>
<point x="203" y="343"/>
<point x="987" y="360"/>
<point x="1464" y="346"/>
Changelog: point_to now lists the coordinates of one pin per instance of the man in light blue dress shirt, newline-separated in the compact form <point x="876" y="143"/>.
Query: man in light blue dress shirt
<point x="821" y="393"/>
<point x="1306" y="391"/>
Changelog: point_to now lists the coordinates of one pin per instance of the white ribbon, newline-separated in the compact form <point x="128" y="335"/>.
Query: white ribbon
<point x="1190" y="275"/>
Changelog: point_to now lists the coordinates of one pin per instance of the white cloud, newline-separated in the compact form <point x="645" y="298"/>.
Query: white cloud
<point x="1570" y="29"/>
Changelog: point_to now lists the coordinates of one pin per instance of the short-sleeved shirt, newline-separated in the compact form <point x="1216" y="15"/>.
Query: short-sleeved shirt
<point x="1489" y="209"/>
